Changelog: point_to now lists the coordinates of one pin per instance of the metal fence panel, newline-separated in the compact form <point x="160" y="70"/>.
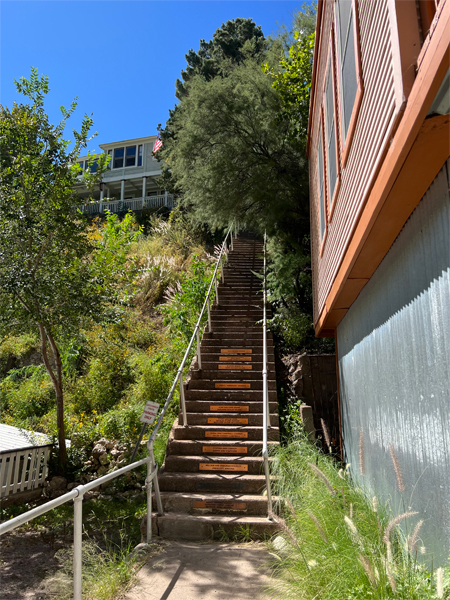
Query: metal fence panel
<point x="394" y="365"/>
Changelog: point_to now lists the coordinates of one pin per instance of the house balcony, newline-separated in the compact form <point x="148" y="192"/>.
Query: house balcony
<point x="133" y="204"/>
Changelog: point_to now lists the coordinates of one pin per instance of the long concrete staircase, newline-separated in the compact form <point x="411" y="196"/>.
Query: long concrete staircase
<point x="212" y="482"/>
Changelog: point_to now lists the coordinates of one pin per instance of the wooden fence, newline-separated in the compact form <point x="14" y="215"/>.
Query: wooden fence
<point x="24" y="469"/>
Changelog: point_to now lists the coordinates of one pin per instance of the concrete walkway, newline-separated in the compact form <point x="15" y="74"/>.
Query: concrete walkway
<point x="213" y="571"/>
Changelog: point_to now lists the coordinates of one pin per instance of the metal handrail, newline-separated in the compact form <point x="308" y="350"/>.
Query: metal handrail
<point x="77" y="496"/>
<point x="195" y="336"/>
<point x="266" y="412"/>
<point x="77" y="493"/>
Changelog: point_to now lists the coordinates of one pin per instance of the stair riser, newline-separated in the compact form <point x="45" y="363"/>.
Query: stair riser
<point x="204" y="406"/>
<point x="198" y="433"/>
<point x="198" y="384"/>
<point x="249" y="506"/>
<point x="216" y="465"/>
<point x="213" y="448"/>
<point x="223" y="396"/>
<point x="251" y="419"/>
<point x="211" y="484"/>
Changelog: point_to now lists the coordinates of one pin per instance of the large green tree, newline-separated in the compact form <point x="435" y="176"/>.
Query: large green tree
<point x="53" y="272"/>
<point x="235" y="147"/>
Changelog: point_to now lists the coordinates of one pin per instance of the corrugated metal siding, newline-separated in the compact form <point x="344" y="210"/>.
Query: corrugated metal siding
<point x="376" y="116"/>
<point x="394" y="365"/>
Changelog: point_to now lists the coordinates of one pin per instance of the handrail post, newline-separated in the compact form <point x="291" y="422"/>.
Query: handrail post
<point x="182" y="398"/>
<point x="148" y="485"/>
<point x="199" y="355"/>
<point x="221" y="269"/>
<point x="217" y="291"/>
<point x="209" y="319"/>
<point x="77" y="543"/>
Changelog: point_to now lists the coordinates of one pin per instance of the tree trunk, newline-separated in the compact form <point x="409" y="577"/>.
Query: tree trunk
<point x="57" y="385"/>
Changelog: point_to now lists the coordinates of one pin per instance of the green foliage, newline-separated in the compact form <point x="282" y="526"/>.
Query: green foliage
<point x="55" y="274"/>
<point x="25" y="395"/>
<point x="232" y="43"/>
<point x="292" y="80"/>
<point x="231" y="155"/>
<point x="333" y="543"/>
<point x="185" y="302"/>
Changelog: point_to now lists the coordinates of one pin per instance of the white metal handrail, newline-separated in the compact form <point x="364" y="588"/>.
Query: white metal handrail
<point x="195" y="336"/>
<point x="77" y="495"/>
<point x="266" y="412"/>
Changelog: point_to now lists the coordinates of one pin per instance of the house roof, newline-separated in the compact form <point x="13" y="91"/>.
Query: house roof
<point x="14" y="438"/>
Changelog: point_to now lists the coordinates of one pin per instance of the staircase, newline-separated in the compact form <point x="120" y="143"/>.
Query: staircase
<point x="212" y="481"/>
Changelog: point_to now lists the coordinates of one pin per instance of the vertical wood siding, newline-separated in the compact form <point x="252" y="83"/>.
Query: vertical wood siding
<point x="377" y="114"/>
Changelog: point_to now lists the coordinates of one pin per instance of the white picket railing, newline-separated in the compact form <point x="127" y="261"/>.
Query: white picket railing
<point x="116" y="206"/>
<point x="24" y="469"/>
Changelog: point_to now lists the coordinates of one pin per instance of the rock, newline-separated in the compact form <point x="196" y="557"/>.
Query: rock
<point x="58" y="483"/>
<point x="115" y="452"/>
<point x="98" y="450"/>
<point x="103" y="458"/>
<point x="72" y="485"/>
<point x="102" y="471"/>
<point x="110" y="444"/>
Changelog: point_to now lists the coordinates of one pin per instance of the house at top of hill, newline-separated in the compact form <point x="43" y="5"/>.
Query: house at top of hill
<point x="378" y="146"/>
<point x="132" y="178"/>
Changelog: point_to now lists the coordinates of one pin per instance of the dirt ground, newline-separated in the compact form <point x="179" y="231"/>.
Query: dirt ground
<point x="28" y="565"/>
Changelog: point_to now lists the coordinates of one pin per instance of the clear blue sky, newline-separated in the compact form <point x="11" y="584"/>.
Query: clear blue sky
<point x="120" y="58"/>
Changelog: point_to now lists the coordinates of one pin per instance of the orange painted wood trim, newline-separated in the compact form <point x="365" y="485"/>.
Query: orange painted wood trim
<point x="428" y="80"/>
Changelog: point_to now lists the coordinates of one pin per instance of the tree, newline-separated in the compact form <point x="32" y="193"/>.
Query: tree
<point x="232" y="156"/>
<point x="232" y="43"/>
<point x="53" y="272"/>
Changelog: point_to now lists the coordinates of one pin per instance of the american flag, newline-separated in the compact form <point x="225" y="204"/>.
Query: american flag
<point x="158" y="144"/>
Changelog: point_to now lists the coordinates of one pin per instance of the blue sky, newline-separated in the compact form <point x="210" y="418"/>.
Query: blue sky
<point x="120" y="58"/>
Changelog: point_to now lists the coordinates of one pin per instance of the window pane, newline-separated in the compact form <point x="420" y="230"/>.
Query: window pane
<point x="321" y="187"/>
<point x="330" y="133"/>
<point x="332" y="170"/>
<point x="344" y="8"/>
<point x="130" y="159"/>
<point x="347" y="62"/>
<point x="140" y="155"/>
<point x="118" y="158"/>
<point x="94" y="166"/>
<point x="349" y="78"/>
<point x="81" y="164"/>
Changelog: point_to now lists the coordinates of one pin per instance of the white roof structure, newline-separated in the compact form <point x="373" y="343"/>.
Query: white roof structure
<point x="13" y="438"/>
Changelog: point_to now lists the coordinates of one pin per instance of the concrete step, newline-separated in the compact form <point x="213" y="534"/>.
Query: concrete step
<point x="239" y="366"/>
<point x="213" y="448"/>
<point x="223" y="432"/>
<point x="225" y="483"/>
<point x="225" y="375"/>
<point x="180" y="526"/>
<point x="221" y="396"/>
<point x="252" y="465"/>
<point x="243" y="384"/>
<point x="228" y="419"/>
<point x="241" y="407"/>
<point x="204" y="504"/>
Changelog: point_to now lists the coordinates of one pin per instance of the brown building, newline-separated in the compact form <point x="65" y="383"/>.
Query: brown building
<point x="379" y="146"/>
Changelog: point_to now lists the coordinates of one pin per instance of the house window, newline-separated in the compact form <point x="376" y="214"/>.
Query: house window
<point x="118" y="158"/>
<point x="349" y="68"/>
<point x="130" y="156"/>
<point x="320" y="174"/>
<point x="331" y="134"/>
<point x="126" y="157"/>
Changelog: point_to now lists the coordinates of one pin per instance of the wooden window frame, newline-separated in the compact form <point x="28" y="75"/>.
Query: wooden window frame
<point x="325" y="203"/>
<point x="345" y="147"/>
<point x="331" y="60"/>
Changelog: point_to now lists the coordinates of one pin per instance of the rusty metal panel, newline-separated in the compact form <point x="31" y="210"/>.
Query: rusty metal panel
<point x="394" y="369"/>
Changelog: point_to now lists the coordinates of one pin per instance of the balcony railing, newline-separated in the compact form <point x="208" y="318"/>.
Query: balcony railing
<point x="116" y="206"/>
